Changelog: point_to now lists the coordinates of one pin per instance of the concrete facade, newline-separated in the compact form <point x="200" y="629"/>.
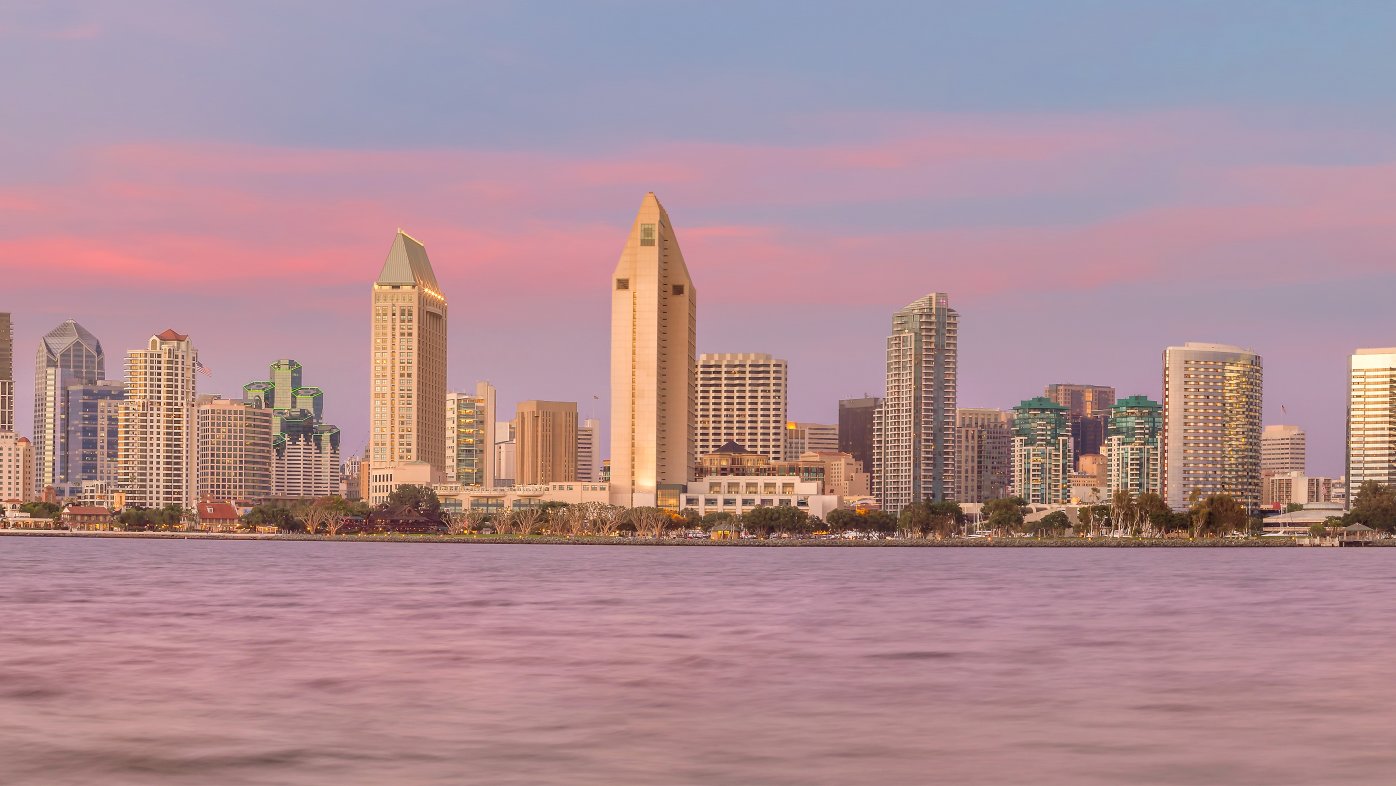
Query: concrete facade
<point x="233" y="459"/>
<point x="1371" y="427"/>
<point x="803" y="437"/>
<point x="1134" y="447"/>
<point x="470" y="436"/>
<point x="1042" y="457"/>
<point x="984" y="460"/>
<point x="155" y="443"/>
<point x="914" y="428"/>
<point x="545" y="436"/>
<point x="742" y="398"/>
<point x="588" y="470"/>
<point x="1283" y="449"/>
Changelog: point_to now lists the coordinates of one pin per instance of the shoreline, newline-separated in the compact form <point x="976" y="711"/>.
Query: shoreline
<point x="548" y="540"/>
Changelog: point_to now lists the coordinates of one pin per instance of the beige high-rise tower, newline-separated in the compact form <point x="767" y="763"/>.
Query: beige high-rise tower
<point x="408" y="409"/>
<point x="545" y="434"/>
<point x="654" y="340"/>
<point x="155" y="450"/>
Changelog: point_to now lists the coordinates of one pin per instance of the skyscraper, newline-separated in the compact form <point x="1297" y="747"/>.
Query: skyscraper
<point x="155" y="452"/>
<point x="1042" y="452"/>
<point x="1371" y="449"/>
<point x="587" y="470"/>
<point x="69" y="355"/>
<point x="16" y="468"/>
<point x="408" y="394"/>
<point x="470" y="436"/>
<point x="304" y="449"/>
<point x="7" y="374"/>
<point x="741" y="397"/>
<point x="545" y="434"/>
<point x="856" y="428"/>
<point x="93" y="428"/>
<point x="1211" y="423"/>
<point x="1283" y="449"/>
<point x="984" y="454"/>
<point x="914" y="428"/>
<point x="1134" y="446"/>
<point x="233" y="458"/>
<point x="654" y="332"/>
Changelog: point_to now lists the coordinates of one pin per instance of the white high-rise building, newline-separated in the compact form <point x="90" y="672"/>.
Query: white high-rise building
<point x="654" y="339"/>
<point x="587" y="470"/>
<point x="1283" y="449"/>
<point x="1211" y="423"/>
<point x="155" y="443"/>
<point x="742" y="399"/>
<point x="1371" y="453"/>
<point x="408" y="393"/>
<point x="914" y="427"/>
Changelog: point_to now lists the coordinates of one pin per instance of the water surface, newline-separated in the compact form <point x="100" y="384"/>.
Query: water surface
<point x="188" y="662"/>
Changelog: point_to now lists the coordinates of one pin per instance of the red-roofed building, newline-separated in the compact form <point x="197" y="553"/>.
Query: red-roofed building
<point x="217" y="517"/>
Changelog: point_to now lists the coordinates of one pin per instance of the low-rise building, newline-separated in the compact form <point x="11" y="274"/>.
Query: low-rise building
<point x="458" y="498"/>
<point x="88" y="518"/>
<point x="738" y="494"/>
<point x="1281" y="489"/>
<point x="217" y="517"/>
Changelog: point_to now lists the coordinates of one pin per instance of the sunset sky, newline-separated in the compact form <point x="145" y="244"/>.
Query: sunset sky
<point x="1089" y="181"/>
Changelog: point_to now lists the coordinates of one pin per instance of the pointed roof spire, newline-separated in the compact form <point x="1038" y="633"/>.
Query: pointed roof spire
<point x="407" y="264"/>
<point x="68" y="334"/>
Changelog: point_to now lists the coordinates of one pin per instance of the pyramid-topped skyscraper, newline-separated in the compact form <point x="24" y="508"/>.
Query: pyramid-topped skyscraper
<point x="654" y="330"/>
<point x="407" y="415"/>
<point x="68" y="355"/>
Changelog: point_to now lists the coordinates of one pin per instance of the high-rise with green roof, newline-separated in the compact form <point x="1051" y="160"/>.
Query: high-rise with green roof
<point x="1134" y="446"/>
<point x="305" y="461"/>
<point x="1042" y="452"/>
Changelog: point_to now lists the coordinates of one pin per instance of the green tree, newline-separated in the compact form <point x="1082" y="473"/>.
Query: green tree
<point x="1053" y="524"/>
<point x="843" y="520"/>
<point x="766" y="520"/>
<point x="1294" y="507"/>
<point x="1157" y="516"/>
<point x="1004" y="514"/>
<point x="1374" y="506"/>
<point x="41" y="510"/>
<point x="1219" y="514"/>
<point x="879" y="521"/>
<point x="915" y="519"/>
<point x="277" y="516"/>
<point x="421" y="499"/>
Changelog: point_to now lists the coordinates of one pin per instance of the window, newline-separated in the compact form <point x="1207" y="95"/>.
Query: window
<point x="678" y="289"/>
<point x="622" y="283"/>
<point x="647" y="234"/>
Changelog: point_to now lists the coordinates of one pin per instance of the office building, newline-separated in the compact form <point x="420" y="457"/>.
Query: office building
<point x="1042" y="452"/>
<point x="408" y="394"/>
<point x="1088" y="410"/>
<point x="654" y="330"/>
<point x="1371" y="448"/>
<point x="1283" y="449"/>
<point x="741" y="397"/>
<point x="984" y="459"/>
<point x="233" y="458"/>
<point x="1279" y="490"/>
<point x="93" y="415"/>
<point x="802" y="437"/>
<point x="545" y="437"/>
<point x="68" y="355"/>
<point x="7" y="374"/>
<point x="470" y="436"/>
<point x="856" y="428"/>
<point x="1134" y="446"/>
<point x="155" y="450"/>
<point x="587" y="469"/>
<point x="1211" y="423"/>
<point x="914" y="428"/>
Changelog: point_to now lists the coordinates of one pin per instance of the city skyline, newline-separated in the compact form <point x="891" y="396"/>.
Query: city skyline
<point x="1185" y="200"/>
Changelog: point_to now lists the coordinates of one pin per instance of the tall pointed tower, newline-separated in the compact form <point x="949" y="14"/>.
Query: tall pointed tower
<point x="407" y="415"/>
<point x="654" y="329"/>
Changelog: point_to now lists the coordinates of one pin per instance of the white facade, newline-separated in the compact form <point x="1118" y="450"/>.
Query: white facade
<point x="1371" y="419"/>
<point x="16" y="468"/>
<point x="914" y="428"/>
<point x="654" y="337"/>
<point x="1283" y="449"/>
<point x="457" y="498"/>
<point x="742" y="398"/>
<point x="737" y="494"/>
<point x="470" y="436"/>
<point x="1211" y="423"/>
<point x="802" y="437"/>
<point x="155" y="451"/>
<point x="382" y="482"/>
<point x="306" y="467"/>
